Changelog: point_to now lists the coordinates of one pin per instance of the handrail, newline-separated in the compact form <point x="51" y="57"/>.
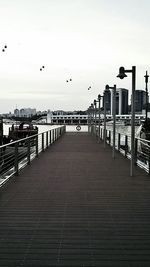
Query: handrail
<point x="17" y="154"/>
<point x="123" y="145"/>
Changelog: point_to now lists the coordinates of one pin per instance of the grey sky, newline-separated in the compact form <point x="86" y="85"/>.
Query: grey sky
<point x="86" y="40"/>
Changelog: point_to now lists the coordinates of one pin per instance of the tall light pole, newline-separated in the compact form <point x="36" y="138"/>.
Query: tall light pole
<point x="114" y="116"/>
<point x="89" y="118"/>
<point x="146" y="89"/>
<point x="1" y="119"/>
<point x="121" y="75"/>
<point x="95" y="114"/>
<point x="92" y="117"/>
<point x="99" y="116"/>
<point x="105" y="104"/>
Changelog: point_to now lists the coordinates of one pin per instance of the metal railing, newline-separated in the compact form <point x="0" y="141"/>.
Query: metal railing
<point x="16" y="155"/>
<point x="123" y="145"/>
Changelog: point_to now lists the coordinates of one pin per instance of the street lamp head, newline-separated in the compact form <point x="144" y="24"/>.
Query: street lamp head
<point x="99" y="97"/>
<point x="92" y="105"/>
<point x="121" y="74"/>
<point x="107" y="87"/>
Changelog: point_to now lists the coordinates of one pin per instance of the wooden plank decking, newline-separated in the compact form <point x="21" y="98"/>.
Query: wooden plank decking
<point x="75" y="206"/>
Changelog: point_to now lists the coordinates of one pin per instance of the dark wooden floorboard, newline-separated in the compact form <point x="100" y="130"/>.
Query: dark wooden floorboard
<point x="75" y="206"/>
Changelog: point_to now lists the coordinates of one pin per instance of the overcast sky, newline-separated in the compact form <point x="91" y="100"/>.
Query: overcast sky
<point x="85" y="40"/>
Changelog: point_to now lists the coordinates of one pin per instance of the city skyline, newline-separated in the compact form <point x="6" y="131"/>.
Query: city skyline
<point x="84" y="42"/>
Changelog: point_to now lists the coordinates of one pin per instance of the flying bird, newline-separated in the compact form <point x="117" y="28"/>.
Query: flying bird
<point x="70" y="80"/>
<point x="89" y="87"/>
<point x="42" y="68"/>
<point x="5" y="46"/>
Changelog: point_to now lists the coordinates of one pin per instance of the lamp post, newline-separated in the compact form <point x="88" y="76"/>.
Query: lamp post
<point x="121" y="75"/>
<point x="92" y="117"/>
<point x="105" y="102"/>
<point x="146" y="88"/>
<point x="99" y="115"/>
<point x="89" y="118"/>
<point x="95" y="114"/>
<point x="114" y="116"/>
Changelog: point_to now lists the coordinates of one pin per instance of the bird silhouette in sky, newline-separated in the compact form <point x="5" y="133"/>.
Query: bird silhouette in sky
<point x="89" y="87"/>
<point x="4" y="48"/>
<point x="70" y="80"/>
<point x="42" y="68"/>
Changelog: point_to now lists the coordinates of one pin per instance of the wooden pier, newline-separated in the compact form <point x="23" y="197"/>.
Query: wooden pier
<point x="75" y="206"/>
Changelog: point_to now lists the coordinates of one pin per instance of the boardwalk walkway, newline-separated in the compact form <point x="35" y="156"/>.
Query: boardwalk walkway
<point x="75" y="206"/>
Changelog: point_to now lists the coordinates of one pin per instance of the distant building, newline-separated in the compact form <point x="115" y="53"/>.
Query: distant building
<point x="25" y="112"/>
<point x="140" y="100"/>
<point x="108" y="101"/>
<point x="16" y="112"/>
<point x="121" y="101"/>
<point x="59" y="112"/>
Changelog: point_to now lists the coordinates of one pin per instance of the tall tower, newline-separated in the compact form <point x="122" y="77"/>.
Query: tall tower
<point x="121" y="101"/>
<point x="140" y="100"/>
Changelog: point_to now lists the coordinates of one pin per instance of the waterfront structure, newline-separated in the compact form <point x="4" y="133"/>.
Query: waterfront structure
<point x="69" y="119"/>
<point x="59" y="112"/>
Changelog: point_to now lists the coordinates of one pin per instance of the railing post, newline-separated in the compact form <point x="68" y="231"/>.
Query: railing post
<point x="106" y="131"/>
<point x="28" y="153"/>
<point x="42" y="141"/>
<point x="135" y="151"/>
<point x="118" y="141"/>
<point x="53" y="135"/>
<point x="109" y="137"/>
<point x="126" y="145"/>
<point x="56" y="133"/>
<point x="46" y="139"/>
<point x="37" y="143"/>
<point x="101" y="130"/>
<point x="50" y="137"/>
<point x="148" y="162"/>
<point x="16" y="159"/>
